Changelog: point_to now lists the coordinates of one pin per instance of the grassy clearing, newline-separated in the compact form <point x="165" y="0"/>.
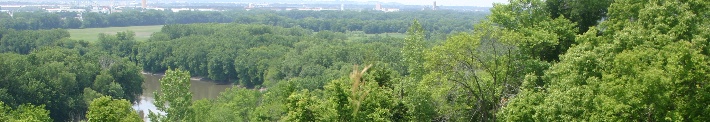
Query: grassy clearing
<point x="92" y="34"/>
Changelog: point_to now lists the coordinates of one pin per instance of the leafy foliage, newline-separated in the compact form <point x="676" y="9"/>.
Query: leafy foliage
<point x="527" y="25"/>
<point x="23" y="42"/>
<point x="586" y="13"/>
<point x="24" y="113"/>
<point x="106" y="109"/>
<point x="235" y="104"/>
<point x="413" y="50"/>
<point x="57" y="77"/>
<point x="530" y="60"/>
<point x="647" y="62"/>
<point x="174" y="97"/>
<point x="371" y="22"/>
<point x="259" y="56"/>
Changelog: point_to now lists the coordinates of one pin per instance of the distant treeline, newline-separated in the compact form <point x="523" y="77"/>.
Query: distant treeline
<point x="45" y="74"/>
<point x="257" y="55"/>
<point x="370" y="22"/>
<point x="530" y="60"/>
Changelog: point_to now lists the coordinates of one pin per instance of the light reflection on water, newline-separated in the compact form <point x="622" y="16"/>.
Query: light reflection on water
<point x="199" y="89"/>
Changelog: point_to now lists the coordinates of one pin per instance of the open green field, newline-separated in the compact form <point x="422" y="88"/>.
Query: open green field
<point x="92" y="34"/>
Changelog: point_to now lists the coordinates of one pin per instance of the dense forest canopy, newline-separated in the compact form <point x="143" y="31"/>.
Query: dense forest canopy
<point x="371" y="22"/>
<point x="252" y="55"/>
<point x="64" y="77"/>
<point x="527" y="60"/>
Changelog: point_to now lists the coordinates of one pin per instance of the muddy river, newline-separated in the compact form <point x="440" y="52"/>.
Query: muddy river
<point x="200" y="90"/>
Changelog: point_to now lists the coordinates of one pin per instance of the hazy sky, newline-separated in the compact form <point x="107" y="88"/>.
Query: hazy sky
<point x="482" y="3"/>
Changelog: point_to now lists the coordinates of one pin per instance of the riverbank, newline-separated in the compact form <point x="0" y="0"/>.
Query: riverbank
<point x="199" y="87"/>
<point x="198" y="78"/>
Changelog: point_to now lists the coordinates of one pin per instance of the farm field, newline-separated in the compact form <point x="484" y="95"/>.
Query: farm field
<point x="92" y="34"/>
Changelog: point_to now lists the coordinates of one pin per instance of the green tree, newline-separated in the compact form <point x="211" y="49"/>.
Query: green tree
<point x="128" y="76"/>
<point x="527" y="25"/>
<point x="89" y="95"/>
<point x="24" y="113"/>
<point x="360" y="98"/>
<point x="174" y="97"/>
<point x="647" y="62"/>
<point x="204" y="111"/>
<point x="586" y="13"/>
<point x="470" y="74"/>
<point x="94" y="20"/>
<point x="62" y="74"/>
<point x="235" y="104"/>
<point x="302" y="107"/>
<point x="272" y="103"/>
<point x="105" y="84"/>
<point x="50" y="76"/>
<point x="23" y="42"/>
<point x="30" y="113"/>
<point x="419" y="105"/>
<point x="106" y="109"/>
<point x="413" y="50"/>
<point x="72" y="23"/>
<point x="221" y="63"/>
<point x="253" y="64"/>
<point x="122" y="44"/>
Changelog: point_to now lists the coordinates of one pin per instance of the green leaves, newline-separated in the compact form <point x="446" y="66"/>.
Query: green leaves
<point x="254" y="65"/>
<point x="586" y="13"/>
<point x="471" y="67"/>
<point x="360" y="98"/>
<point x="61" y="77"/>
<point x="24" y="113"/>
<point x="106" y="109"/>
<point x="302" y="107"/>
<point x="174" y="98"/>
<point x="519" y="14"/>
<point x="645" y="63"/>
<point x="107" y="85"/>
<point x="23" y="42"/>
<point x="235" y="104"/>
<point x="528" y="25"/>
<point x="122" y="44"/>
<point x="413" y="50"/>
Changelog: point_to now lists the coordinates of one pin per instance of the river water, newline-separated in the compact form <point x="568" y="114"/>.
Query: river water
<point x="200" y="90"/>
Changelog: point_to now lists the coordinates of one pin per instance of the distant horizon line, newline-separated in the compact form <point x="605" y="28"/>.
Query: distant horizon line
<point x="253" y="1"/>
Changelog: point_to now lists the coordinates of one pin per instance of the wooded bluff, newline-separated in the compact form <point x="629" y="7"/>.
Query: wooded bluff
<point x="527" y="60"/>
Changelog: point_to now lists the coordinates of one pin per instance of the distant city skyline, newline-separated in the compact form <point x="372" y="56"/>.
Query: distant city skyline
<point x="481" y="3"/>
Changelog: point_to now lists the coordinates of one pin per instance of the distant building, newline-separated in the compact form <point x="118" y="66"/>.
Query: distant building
<point x="315" y="9"/>
<point x="205" y="9"/>
<point x="101" y="9"/>
<point x="434" y="7"/>
<point x="65" y="10"/>
<point x="159" y="9"/>
<point x="390" y="9"/>
<point x="181" y="9"/>
<point x="378" y="7"/>
<point x="265" y="7"/>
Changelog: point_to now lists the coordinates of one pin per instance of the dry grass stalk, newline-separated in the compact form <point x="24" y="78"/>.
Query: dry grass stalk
<point x="356" y="77"/>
